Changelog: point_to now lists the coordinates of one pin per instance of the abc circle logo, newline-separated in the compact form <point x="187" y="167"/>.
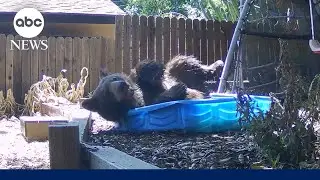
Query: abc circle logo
<point x="28" y="22"/>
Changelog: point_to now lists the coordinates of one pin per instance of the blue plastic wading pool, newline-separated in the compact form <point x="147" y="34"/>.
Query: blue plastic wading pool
<point x="216" y="114"/>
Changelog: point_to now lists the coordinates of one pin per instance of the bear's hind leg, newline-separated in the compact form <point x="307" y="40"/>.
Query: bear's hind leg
<point x="175" y="93"/>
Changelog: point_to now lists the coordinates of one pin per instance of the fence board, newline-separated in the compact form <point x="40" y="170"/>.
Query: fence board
<point x="182" y="36"/>
<point x="203" y="37"/>
<point x="17" y="72"/>
<point x="151" y="37"/>
<point x="34" y="56"/>
<point x="196" y="38"/>
<point x="3" y="43"/>
<point x="143" y="37"/>
<point x="110" y="56"/>
<point x="135" y="40"/>
<point x="217" y="38"/>
<point x="126" y="62"/>
<point x="85" y="61"/>
<point x="119" y="44"/>
<point x="224" y="39"/>
<point x="189" y="37"/>
<point x="60" y="48"/>
<point x="159" y="40"/>
<point x="94" y="61"/>
<point x="25" y="72"/>
<point x="67" y="63"/>
<point x="43" y="59"/>
<point x="174" y="39"/>
<point x="76" y="59"/>
<point x="52" y="57"/>
<point x="104" y="53"/>
<point x="210" y="42"/>
<point x="9" y="64"/>
<point x="166" y="39"/>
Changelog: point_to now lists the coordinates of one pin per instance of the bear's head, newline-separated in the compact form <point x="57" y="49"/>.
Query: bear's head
<point x="113" y="96"/>
<point x="150" y="72"/>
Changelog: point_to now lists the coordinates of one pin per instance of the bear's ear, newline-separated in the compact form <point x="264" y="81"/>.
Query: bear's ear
<point x="103" y="73"/>
<point x="90" y="104"/>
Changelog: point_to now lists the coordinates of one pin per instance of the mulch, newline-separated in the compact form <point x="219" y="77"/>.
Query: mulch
<point x="179" y="150"/>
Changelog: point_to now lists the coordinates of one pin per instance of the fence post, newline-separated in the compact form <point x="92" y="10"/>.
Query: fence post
<point x="64" y="146"/>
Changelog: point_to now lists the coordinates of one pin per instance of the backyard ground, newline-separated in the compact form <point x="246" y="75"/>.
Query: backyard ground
<point x="179" y="150"/>
<point x="165" y="150"/>
<point x="16" y="153"/>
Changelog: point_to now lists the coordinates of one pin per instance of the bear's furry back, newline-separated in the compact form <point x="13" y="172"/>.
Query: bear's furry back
<point x="190" y="71"/>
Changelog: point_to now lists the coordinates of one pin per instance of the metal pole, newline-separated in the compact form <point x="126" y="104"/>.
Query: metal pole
<point x="233" y="45"/>
<point x="311" y="18"/>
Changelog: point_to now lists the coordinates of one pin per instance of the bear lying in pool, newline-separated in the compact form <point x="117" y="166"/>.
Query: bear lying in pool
<point x="116" y="94"/>
<point x="154" y="78"/>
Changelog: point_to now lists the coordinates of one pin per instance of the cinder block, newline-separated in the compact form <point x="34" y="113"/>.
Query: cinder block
<point x="35" y="128"/>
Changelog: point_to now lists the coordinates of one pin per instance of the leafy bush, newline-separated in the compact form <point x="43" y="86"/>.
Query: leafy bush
<point x="285" y="134"/>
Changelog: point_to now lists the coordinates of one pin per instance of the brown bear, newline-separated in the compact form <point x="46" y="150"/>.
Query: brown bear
<point x="193" y="73"/>
<point x="114" y="96"/>
<point x="149" y="76"/>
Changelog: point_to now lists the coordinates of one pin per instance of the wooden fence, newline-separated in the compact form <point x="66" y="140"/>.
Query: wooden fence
<point x="136" y="38"/>
<point x="19" y="69"/>
<point x="157" y="38"/>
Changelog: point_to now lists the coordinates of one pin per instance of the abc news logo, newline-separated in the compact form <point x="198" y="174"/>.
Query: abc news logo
<point x="29" y="23"/>
<point x="26" y="22"/>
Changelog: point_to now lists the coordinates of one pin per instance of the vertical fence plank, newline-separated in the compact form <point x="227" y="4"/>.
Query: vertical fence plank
<point x="25" y="71"/>
<point x="34" y="56"/>
<point x="104" y="53"/>
<point x="97" y="64"/>
<point x="52" y="57"/>
<point x="143" y="37"/>
<point x="182" y="36"/>
<point x="60" y="48"/>
<point x="166" y="39"/>
<point x="151" y="37"/>
<point x="135" y="40"/>
<point x="224" y="39"/>
<point x="94" y="60"/>
<point x="111" y="58"/>
<point x="159" y="39"/>
<point x="217" y="38"/>
<point x="76" y="59"/>
<point x="67" y="63"/>
<point x="204" y="45"/>
<point x="85" y="61"/>
<point x="196" y="38"/>
<point x="119" y="43"/>
<point x="126" y="62"/>
<point x="210" y="42"/>
<point x="189" y="37"/>
<point x="43" y="60"/>
<point x="174" y="39"/>
<point x="17" y="72"/>
<point x="3" y="43"/>
<point x="9" y="63"/>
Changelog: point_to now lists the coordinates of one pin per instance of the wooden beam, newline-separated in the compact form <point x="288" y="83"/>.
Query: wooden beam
<point x="92" y="157"/>
<point x="111" y="158"/>
<point x="64" y="146"/>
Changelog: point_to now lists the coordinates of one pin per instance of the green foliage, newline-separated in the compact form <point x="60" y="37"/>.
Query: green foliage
<point x="286" y="135"/>
<point x="210" y="9"/>
<point x="222" y="10"/>
<point x="153" y="8"/>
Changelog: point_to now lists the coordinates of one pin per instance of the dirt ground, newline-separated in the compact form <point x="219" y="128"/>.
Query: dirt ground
<point x="16" y="153"/>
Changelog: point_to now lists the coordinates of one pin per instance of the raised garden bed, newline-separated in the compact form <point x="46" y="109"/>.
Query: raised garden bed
<point x="165" y="149"/>
<point x="180" y="150"/>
